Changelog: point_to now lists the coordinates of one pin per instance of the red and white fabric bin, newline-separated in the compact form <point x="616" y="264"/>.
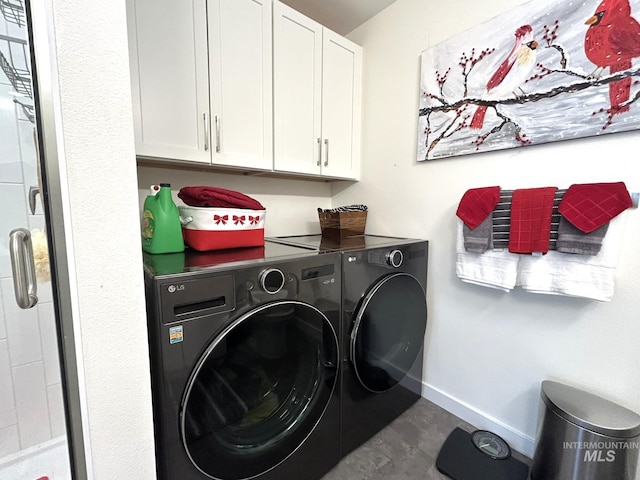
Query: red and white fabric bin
<point x="211" y="228"/>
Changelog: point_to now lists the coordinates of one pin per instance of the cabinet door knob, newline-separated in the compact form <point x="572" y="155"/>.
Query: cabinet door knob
<point x="217" y="120"/>
<point x="326" y="152"/>
<point x="206" y="132"/>
<point x="319" y="152"/>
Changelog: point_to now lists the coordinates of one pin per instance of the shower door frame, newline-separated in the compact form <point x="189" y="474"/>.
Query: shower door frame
<point x="39" y="27"/>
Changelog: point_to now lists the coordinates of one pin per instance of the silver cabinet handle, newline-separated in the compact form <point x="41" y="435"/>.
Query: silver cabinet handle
<point x="217" y="119"/>
<point x="206" y="132"/>
<point x="24" y="270"/>
<point x="326" y="152"/>
<point x="319" y="152"/>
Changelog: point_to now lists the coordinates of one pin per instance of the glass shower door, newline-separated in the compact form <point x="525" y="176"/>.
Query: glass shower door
<point x="33" y="438"/>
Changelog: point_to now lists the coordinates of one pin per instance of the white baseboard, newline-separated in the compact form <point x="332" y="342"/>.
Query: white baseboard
<point x="516" y="439"/>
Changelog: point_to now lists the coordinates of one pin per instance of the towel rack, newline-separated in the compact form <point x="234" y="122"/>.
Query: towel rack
<point x="14" y="55"/>
<point x="501" y="218"/>
<point x="13" y="11"/>
<point x="501" y="221"/>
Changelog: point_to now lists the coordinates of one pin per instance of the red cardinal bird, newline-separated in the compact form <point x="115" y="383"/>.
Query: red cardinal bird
<point x="613" y="40"/>
<point x="511" y="73"/>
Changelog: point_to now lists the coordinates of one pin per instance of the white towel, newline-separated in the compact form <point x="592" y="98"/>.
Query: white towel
<point x="587" y="276"/>
<point x="494" y="268"/>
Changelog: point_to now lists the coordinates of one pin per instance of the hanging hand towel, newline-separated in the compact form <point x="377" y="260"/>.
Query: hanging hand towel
<point x="494" y="269"/>
<point x="478" y="240"/>
<point x="476" y="204"/>
<point x="530" y="226"/>
<point x="217" y="197"/>
<point x="574" y="240"/>
<point x="591" y="205"/>
<point x="586" y="276"/>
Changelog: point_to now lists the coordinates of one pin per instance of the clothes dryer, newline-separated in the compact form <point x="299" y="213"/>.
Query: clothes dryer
<point x="384" y="319"/>
<point x="244" y="363"/>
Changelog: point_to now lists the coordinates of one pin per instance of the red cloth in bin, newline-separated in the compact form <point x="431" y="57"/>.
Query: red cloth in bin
<point x="530" y="225"/>
<point x="476" y="204"/>
<point x="588" y="206"/>
<point x="217" y="197"/>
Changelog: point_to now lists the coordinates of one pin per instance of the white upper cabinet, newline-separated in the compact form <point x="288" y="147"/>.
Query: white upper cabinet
<point x="202" y="80"/>
<point x="169" y="78"/>
<point x="297" y="44"/>
<point x="317" y="98"/>
<point x="341" y="106"/>
<point x="247" y="84"/>
<point x="241" y="72"/>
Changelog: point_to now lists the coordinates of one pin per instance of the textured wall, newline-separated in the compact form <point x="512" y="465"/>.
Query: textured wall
<point x="96" y="123"/>
<point x="488" y="351"/>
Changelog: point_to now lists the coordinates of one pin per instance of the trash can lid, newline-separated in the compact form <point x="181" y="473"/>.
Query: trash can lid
<point x="590" y="411"/>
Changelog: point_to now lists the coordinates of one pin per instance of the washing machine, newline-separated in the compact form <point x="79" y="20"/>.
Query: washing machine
<point x="245" y="363"/>
<point x="384" y="318"/>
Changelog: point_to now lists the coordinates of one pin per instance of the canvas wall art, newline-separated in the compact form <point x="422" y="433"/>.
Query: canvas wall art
<point x="546" y="71"/>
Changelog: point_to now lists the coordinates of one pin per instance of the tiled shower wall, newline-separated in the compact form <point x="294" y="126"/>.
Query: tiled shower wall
<point x="31" y="408"/>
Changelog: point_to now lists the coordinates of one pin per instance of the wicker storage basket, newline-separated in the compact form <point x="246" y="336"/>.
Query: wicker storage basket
<point x="342" y="224"/>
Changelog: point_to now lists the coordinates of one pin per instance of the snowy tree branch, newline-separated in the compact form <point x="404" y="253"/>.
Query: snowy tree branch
<point x="536" y="96"/>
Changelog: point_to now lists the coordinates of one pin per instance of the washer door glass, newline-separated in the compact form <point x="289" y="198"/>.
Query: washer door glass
<point x="388" y="331"/>
<point x="259" y="390"/>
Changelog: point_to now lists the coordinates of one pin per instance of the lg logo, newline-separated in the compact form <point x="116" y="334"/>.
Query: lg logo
<point x="175" y="288"/>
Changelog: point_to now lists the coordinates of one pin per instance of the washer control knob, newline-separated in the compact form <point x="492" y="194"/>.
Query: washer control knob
<point x="394" y="258"/>
<point x="271" y="280"/>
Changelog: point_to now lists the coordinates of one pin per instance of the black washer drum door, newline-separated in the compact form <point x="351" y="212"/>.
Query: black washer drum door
<point x="389" y="331"/>
<point x="259" y="390"/>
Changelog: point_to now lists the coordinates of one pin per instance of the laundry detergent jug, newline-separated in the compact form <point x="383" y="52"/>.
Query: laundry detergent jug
<point x="161" y="228"/>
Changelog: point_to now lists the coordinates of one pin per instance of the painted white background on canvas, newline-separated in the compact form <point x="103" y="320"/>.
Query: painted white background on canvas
<point x="560" y="117"/>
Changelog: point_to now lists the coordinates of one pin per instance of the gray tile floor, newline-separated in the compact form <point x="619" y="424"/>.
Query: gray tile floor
<point x="405" y="450"/>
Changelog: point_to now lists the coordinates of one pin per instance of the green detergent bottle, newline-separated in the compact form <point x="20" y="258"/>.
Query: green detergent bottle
<point x="161" y="228"/>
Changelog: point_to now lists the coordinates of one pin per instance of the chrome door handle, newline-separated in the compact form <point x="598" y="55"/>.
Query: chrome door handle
<point x="326" y="152"/>
<point x="23" y="266"/>
<point x="217" y="134"/>
<point x="319" y="152"/>
<point x="206" y="132"/>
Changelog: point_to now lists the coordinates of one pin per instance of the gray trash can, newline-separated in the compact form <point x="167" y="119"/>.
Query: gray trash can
<point x="584" y="437"/>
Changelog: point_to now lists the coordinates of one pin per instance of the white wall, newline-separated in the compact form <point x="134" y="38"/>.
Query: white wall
<point x="97" y="157"/>
<point x="487" y="351"/>
<point x="291" y="204"/>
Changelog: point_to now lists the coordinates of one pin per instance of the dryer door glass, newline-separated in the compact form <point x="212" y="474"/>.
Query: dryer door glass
<point x="388" y="331"/>
<point x="259" y="390"/>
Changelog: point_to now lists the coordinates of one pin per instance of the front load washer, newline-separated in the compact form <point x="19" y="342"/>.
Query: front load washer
<point x="244" y="363"/>
<point x="384" y="315"/>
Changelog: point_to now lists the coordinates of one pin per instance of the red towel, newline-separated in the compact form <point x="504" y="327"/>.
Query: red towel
<point x="531" y="220"/>
<point x="476" y="204"/>
<point x="588" y="206"/>
<point x="217" y="197"/>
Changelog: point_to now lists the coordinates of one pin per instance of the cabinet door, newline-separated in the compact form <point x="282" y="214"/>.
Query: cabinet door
<point x="297" y="91"/>
<point x="341" y="106"/>
<point x="170" y="85"/>
<point x="240" y="55"/>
